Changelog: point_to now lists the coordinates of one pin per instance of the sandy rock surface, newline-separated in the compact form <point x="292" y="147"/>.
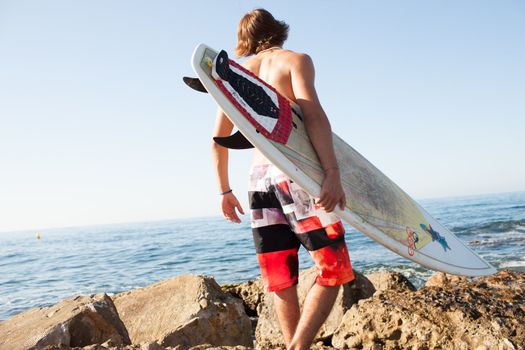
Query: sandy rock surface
<point x="183" y="312"/>
<point x="380" y="311"/>
<point x="484" y="313"/>
<point x="73" y="322"/>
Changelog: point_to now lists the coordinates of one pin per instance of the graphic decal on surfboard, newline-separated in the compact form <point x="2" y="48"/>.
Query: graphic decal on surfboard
<point x="436" y="236"/>
<point x="412" y="240"/>
<point x="376" y="206"/>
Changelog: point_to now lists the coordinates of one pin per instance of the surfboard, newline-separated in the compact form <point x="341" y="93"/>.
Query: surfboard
<point x="376" y="206"/>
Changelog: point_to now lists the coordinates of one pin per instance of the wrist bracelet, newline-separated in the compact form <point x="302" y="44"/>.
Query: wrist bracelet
<point x="223" y="193"/>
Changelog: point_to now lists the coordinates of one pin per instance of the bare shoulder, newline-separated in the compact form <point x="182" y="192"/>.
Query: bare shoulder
<point x="299" y="60"/>
<point x="296" y="56"/>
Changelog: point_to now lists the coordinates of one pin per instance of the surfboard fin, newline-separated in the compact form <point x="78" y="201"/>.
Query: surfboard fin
<point x="195" y="84"/>
<point x="235" y="141"/>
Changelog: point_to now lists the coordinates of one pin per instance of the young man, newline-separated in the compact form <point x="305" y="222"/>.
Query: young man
<point x="283" y="216"/>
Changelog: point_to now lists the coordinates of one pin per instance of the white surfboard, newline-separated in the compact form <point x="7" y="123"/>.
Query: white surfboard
<point x="375" y="205"/>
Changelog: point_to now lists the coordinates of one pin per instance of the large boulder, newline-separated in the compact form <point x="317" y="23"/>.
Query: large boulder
<point x="268" y="333"/>
<point x="485" y="313"/>
<point x="183" y="312"/>
<point x="74" y="322"/>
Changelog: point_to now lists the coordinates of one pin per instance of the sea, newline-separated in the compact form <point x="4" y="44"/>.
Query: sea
<point x="113" y="258"/>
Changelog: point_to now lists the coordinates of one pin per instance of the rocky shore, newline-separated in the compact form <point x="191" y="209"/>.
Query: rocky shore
<point x="378" y="311"/>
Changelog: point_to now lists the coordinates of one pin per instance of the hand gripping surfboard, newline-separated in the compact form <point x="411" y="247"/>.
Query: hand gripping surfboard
<point x="375" y="205"/>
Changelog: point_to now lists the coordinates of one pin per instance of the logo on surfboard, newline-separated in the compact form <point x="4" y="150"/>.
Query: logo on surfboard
<point x="413" y="238"/>
<point x="436" y="236"/>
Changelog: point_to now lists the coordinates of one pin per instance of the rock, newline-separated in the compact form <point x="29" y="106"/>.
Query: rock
<point x="74" y="322"/>
<point x="56" y="347"/>
<point x="251" y="293"/>
<point x="117" y="347"/>
<point x="183" y="312"/>
<point x="151" y="346"/>
<point x="268" y="333"/>
<point x="441" y="279"/>
<point x="386" y="280"/>
<point x="95" y="347"/>
<point x="482" y="313"/>
<point x="505" y="279"/>
<point x="210" y="347"/>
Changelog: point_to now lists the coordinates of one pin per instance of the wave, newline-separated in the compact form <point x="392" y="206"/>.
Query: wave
<point x="492" y="227"/>
<point x="511" y="238"/>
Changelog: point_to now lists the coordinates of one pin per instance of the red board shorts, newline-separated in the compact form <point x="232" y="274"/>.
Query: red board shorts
<point x="284" y="217"/>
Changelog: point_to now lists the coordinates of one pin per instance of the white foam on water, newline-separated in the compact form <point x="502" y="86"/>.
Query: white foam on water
<point x="510" y="237"/>
<point x="515" y="263"/>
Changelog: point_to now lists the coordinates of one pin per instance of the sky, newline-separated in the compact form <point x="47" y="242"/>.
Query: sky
<point x="97" y="127"/>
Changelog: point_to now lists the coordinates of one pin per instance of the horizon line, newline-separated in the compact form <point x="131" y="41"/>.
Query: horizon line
<point x="144" y="221"/>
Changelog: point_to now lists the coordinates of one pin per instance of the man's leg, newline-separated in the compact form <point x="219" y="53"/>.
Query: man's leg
<point x="322" y="234"/>
<point x="288" y="311"/>
<point x="316" y="308"/>
<point x="276" y="245"/>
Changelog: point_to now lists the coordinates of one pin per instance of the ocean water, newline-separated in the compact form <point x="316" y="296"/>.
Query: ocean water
<point x="116" y="258"/>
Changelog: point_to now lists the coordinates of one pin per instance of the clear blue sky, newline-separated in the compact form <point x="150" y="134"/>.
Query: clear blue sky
<point x="96" y="126"/>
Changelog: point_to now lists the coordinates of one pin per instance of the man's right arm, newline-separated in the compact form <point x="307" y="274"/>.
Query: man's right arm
<point x="318" y="129"/>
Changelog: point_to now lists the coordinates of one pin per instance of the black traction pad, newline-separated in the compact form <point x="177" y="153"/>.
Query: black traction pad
<point x="253" y="94"/>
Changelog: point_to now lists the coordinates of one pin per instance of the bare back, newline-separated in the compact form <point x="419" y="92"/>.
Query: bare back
<point x="274" y="67"/>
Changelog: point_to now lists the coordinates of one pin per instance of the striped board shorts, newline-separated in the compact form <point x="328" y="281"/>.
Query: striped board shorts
<point x="284" y="217"/>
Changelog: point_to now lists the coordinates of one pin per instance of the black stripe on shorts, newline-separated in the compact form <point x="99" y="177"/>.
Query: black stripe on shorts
<point x="274" y="238"/>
